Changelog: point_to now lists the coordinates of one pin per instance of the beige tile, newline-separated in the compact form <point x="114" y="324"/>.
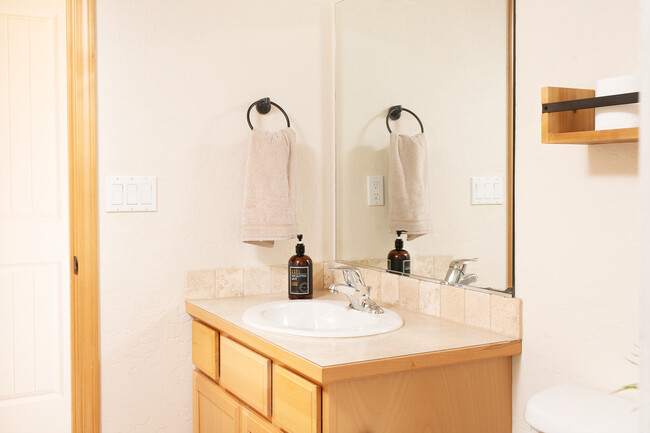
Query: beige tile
<point x="318" y="276"/>
<point x="389" y="288"/>
<point x="505" y="316"/>
<point x="429" y="298"/>
<point x="257" y="280"/>
<point x="409" y="293"/>
<point x="199" y="284"/>
<point x="430" y="266"/>
<point x="477" y="309"/>
<point x="418" y="266"/>
<point x="327" y="275"/>
<point x="337" y="277"/>
<point x="372" y="279"/>
<point x="229" y="282"/>
<point x="280" y="279"/>
<point x="330" y="277"/>
<point x="441" y="264"/>
<point x="452" y="303"/>
<point x="377" y="263"/>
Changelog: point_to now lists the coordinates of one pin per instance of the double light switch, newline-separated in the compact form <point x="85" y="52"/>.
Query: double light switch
<point x="131" y="194"/>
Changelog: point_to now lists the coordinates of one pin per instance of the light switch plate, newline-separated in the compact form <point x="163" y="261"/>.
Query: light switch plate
<point x="487" y="190"/>
<point x="131" y="194"/>
<point x="375" y="190"/>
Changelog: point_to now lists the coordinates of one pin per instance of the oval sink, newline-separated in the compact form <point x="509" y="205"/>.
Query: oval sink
<point x="319" y="318"/>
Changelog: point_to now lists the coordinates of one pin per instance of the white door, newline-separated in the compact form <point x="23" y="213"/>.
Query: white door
<point x="34" y="263"/>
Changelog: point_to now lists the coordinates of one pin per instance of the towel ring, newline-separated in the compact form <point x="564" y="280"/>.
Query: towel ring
<point x="395" y="112"/>
<point x="263" y="106"/>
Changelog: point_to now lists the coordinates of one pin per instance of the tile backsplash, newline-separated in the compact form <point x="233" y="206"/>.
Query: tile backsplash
<point x="488" y="311"/>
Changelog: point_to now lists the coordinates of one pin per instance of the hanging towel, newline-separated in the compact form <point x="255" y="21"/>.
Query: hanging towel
<point x="270" y="188"/>
<point x="408" y="185"/>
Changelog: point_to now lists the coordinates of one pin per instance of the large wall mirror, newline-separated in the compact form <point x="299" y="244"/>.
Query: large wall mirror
<point x="451" y="63"/>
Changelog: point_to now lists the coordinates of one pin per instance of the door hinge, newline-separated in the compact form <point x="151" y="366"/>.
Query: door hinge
<point x="75" y="266"/>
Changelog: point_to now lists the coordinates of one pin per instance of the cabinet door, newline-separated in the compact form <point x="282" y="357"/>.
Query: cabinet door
<point x="205" y="349"/>
<point x="214" y="410"/>
<point x="296" y="402"/>
<point x="246" y="374"/>
<point x="251" y="423"/>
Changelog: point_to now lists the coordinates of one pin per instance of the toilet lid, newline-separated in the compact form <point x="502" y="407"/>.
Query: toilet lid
<point x="578" y="409"/>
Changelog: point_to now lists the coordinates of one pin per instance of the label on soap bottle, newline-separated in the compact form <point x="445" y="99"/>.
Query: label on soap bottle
<point x="299" y="280"/>
<point x="405" y="265"/>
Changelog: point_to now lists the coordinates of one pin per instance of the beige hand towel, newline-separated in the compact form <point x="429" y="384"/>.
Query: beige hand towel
<point x="408" y="185"/>
<point x="270" y="188"/>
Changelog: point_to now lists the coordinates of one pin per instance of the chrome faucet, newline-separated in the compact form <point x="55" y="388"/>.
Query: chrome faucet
<point x="456" y="272"/>
<point x="355" y="290"/>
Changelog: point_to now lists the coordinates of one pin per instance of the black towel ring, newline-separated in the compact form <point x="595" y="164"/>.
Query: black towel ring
<point x="263" y="106"/>
<point x="395" y="112"/>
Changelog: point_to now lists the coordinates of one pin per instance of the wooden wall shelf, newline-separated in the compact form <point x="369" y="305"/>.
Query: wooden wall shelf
<point x="577" y="126"/>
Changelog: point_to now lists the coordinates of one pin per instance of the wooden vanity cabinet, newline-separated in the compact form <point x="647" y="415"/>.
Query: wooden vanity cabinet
<point x="233" y="393"/>
<point x="296" y="402"/>
<point x="214" y="410"/>
<point x="252" y="423"/>
<point x="205" y="349"/>
<point x="261" y="388"/>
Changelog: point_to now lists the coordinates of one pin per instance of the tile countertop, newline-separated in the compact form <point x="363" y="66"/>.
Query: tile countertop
<point x="424" y="335"/>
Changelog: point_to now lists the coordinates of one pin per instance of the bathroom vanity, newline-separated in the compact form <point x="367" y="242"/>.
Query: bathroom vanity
<point x="430" y="375"/>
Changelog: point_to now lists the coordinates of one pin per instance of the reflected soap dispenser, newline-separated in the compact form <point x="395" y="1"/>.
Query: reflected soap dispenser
<point x="399" y="260"/>
<point x="300" y="274"/>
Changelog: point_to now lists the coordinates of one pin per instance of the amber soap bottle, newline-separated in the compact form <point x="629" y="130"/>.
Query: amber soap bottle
<point x="300" y="274"/>
<point x="399" y="260"/>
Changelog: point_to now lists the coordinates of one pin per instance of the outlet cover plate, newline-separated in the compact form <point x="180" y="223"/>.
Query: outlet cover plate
<point x="375" y="190"/>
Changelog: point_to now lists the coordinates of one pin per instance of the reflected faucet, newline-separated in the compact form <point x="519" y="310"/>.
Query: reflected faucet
<point x="355" y="290"/>
<point x="456" y="272"/>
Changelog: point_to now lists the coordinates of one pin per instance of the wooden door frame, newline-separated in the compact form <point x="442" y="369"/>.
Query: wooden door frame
<point x="82" y="159"/>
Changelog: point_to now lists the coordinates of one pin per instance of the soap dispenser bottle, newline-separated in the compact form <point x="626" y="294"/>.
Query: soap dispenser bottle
<point x="399" y="260"/>
<point x="300" y="274"/>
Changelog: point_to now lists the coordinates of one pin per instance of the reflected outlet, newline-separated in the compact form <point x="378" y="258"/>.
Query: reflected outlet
<point x="375" y="190"/>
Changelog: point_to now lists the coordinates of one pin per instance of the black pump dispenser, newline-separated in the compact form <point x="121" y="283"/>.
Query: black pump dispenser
<point x="300" y="247"/>
<point x="399" y="260"/>
<point x="399" y="242"/>
<point x="300" y="274"/>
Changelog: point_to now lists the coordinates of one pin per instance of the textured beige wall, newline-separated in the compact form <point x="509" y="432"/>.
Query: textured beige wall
<point x="174" y="82"/>
<point x="577" y="209"/>
<point x="422" y="55"/>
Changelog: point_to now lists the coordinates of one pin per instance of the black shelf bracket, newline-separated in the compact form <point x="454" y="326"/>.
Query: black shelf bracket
<point x="600" y="101"/>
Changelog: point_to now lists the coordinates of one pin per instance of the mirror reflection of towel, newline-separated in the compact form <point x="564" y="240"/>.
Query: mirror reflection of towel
<point x="269" y="212"/>
<point x="408" y="185"/>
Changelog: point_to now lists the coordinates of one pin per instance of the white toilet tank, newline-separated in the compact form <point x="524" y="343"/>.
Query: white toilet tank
<point x="578" y="409"/>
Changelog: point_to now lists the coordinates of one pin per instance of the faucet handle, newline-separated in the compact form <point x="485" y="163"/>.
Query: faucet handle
<point x="461" y="263"/>
<point x="342" y="268"/>
<point x="349" y="274"/>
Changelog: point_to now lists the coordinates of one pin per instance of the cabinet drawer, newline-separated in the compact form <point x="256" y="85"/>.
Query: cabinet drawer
<point x="205" y="349"/>
<point x="246" y="374"/>
<point x="296" y="402"/>
<point x="214" y="409"/>
<point x="252" y="423"/>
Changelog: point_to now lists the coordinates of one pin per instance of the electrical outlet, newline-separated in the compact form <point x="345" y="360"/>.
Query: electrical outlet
<point x="375" y="190"/>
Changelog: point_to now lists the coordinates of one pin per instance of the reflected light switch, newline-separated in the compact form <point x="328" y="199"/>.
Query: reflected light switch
<point x="487" y="190"/>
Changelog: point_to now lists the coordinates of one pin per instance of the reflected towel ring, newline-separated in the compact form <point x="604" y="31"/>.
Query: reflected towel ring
<point x="395" y="112"/>
<point x="263" y="106"/>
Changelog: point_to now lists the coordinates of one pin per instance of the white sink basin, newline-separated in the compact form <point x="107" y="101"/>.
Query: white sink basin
<point x="318" y="318"/>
